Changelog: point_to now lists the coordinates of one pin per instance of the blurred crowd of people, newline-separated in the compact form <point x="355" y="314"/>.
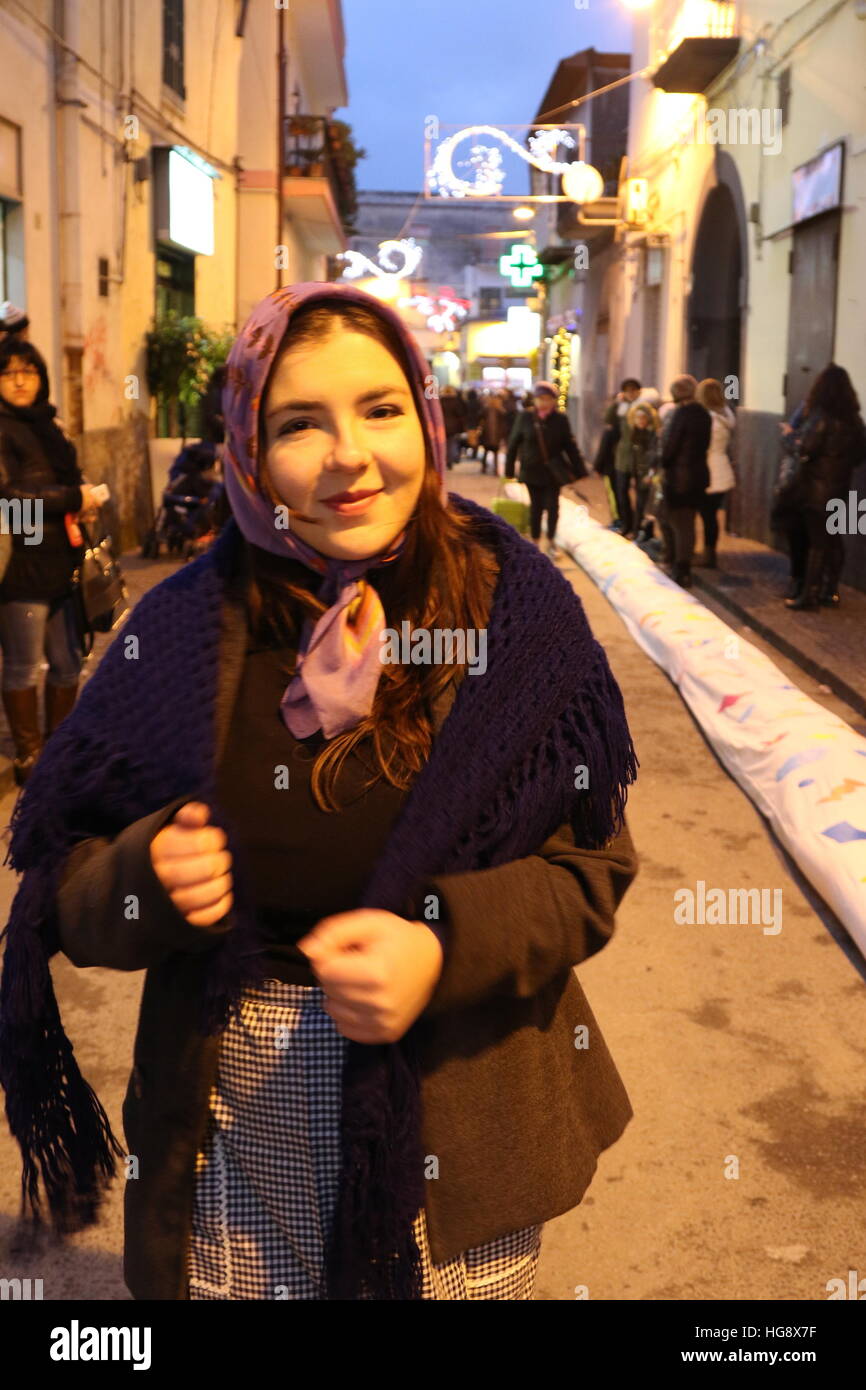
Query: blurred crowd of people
<point x="667" y="463"/>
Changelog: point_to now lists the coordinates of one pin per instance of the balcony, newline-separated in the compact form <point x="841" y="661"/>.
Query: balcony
<point x="693" y="41"/>
<point x="318" y="189"/>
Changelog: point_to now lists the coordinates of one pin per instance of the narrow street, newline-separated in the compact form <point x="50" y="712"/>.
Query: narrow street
<point x="739" y="1050"/>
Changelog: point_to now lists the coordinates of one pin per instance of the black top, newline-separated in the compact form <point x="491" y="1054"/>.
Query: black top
<point x="558" y="439"/>
<point x="38" y="467"/>
<point x="303" y="863"/>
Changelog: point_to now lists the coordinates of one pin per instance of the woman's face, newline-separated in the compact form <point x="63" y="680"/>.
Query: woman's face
<point x="641" y="419"/>
<point x="340" y="418"/>
<point x="19" y="382"/>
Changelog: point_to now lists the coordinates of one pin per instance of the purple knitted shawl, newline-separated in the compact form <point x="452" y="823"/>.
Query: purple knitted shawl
<point x="499" y="780"/>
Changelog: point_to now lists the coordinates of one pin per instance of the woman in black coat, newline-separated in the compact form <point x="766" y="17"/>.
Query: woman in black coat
<point x="41" y="486"/>
<point x="685" y="474"/>
<point x="538" y="433"/>
<point x="454" y="414"/>
<point x="832" y="443"/>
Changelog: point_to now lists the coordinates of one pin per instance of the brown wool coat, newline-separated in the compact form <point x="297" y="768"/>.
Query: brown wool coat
<point x="514" y="1112"/>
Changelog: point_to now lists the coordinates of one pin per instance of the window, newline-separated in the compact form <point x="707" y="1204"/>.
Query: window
<point x="785" y="93"/>
<point x="489" y="301"/>
<point x="172" y="46"/>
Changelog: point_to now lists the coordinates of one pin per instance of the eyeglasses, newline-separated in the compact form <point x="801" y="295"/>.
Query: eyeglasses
<point x="27" y="373"/>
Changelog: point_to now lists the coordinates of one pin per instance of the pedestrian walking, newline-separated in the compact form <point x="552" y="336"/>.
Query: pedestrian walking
<point x="355" y="1071"/>
<point x="492" y="428"/>
<point x="509" y="402"/>
<point x="831" y="444"/>
<point x="710" y="394"/>
<point x="539" y="436"/>
<point x="685" y="442"/>
<point x="643" y="431"/>
<point x="787" y="515"/>
<point x="617" y="416"/>
<point x="44" y="489"/>
<point x="454" y="415"/>
<point x="473" y="421"/>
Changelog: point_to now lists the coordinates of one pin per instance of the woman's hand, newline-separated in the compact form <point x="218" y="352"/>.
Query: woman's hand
<point x="190" y="860"/>
<point x="378" y="971"/>
<point x="89" y="510"/>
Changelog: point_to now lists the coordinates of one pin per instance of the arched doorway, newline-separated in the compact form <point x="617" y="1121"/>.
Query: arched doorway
<point x="714" y="325"/>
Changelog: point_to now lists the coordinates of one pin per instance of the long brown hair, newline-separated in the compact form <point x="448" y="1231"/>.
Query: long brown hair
<point x="832" y="391"/>
<point x="441" y="579"/>
<point x="710" y="394"/>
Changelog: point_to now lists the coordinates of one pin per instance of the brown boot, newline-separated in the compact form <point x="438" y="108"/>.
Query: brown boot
<point x="22" y="711"/>
<point x="59" y="700"/>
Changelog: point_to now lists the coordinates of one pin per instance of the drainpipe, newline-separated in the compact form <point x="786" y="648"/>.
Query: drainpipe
<point x="281" y="128"/>
<point x="68" y="104"/>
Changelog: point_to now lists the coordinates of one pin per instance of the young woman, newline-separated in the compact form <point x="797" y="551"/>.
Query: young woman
<point x="538" y="435"/>
<point x="710" y="394"/>
<point x="41" y="480"/>
<point x="832" y="442"/>
<point x="643" y="431"/>
<point x="358" y="873"/>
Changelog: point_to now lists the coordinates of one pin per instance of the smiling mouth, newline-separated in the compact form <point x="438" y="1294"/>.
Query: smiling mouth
<point x="338" y="498"/>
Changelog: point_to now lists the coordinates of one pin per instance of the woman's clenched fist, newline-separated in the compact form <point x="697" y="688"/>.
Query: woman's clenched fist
<point x="192" y="863"/>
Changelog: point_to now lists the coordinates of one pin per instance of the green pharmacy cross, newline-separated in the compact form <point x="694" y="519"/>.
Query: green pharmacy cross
<point x="520" y="266"/>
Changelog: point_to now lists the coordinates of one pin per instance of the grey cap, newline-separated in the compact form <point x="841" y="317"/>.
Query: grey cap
<point x="12" y="319"/>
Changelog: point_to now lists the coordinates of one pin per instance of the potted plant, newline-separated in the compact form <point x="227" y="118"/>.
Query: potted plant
<point x="182" y="354"/>
<point x="346" y="155"/>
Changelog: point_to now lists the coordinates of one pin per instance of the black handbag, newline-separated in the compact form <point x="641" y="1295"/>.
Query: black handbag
<point x="560" y="465"/>
<point x="99" y="593"/>
<point x="789" y="494"/>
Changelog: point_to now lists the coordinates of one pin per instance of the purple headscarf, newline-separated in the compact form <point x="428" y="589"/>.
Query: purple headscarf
<point x="339" y="662"/>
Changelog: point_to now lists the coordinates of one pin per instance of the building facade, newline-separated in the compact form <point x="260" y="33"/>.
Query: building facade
<point x="747" y="136"/>
<point x="136" y="145"/>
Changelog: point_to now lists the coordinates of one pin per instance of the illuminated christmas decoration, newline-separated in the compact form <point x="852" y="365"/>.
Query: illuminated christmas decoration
<point x="520" y="266"/>
<point x="484" y="173"/>
<point x="443" y="311"/>
<point x="582" y="183"/>
<point x="561" y="369"/>
<point x="359" y="264"/>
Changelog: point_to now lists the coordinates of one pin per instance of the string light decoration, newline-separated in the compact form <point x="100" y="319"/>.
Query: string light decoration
<point x="443" y="310"/>
<point x="561" y="370"/>
<point x="356" y="263"/>
<point x="581" y="183"/>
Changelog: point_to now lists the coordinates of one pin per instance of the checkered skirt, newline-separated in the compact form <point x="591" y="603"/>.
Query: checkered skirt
<point x="268" y="1170"/>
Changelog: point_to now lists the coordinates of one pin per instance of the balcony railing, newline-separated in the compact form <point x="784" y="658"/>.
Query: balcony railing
<point x="309" y="153"/>
<point x="675" y="20"/>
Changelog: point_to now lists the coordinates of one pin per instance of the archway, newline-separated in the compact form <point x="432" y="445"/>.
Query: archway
<point x="714" y="323"/>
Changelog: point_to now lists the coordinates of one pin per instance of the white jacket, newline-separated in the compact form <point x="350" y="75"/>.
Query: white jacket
<point x="722" y="477"/>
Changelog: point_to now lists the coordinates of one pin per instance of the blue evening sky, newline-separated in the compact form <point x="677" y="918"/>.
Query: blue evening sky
<point x="465" y="61"/>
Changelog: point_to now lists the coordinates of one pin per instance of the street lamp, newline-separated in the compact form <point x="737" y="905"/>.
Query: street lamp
<point x="582" y="183"/>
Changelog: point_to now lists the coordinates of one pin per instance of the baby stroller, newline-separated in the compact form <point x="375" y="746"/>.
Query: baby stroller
<point x="186" y="521"/>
